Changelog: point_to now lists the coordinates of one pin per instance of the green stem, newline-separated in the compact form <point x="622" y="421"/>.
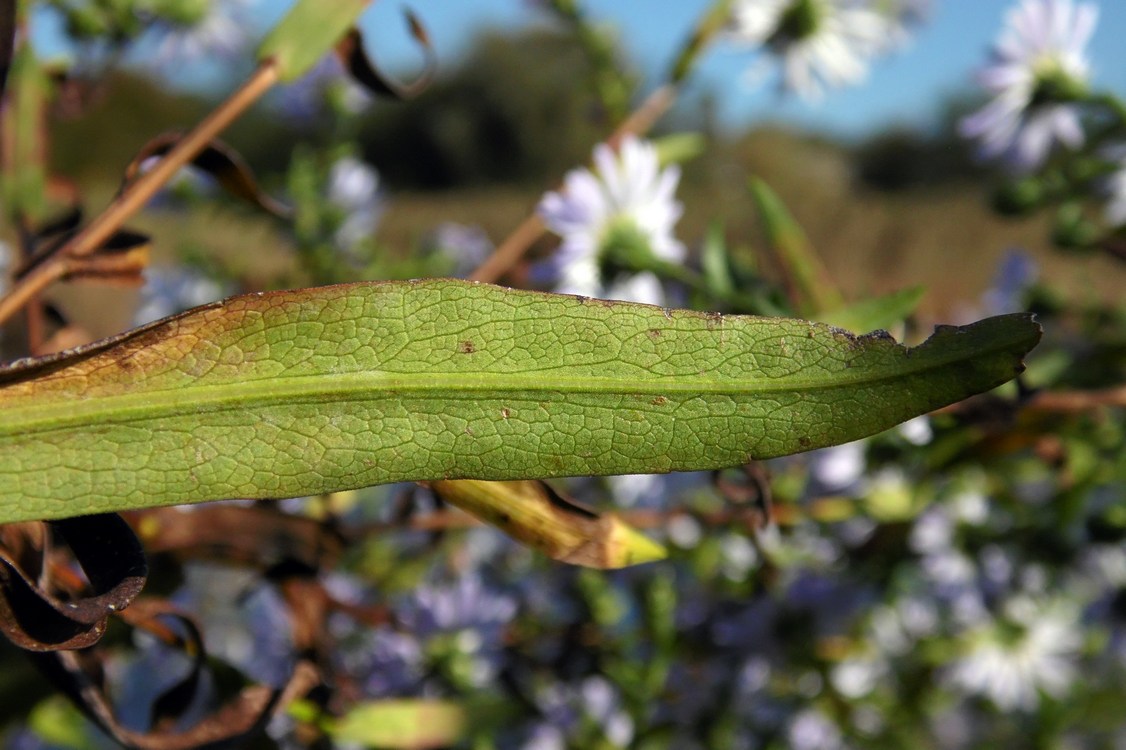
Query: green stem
<point x="1111" y="102"/>
<point x="713" y="20"/>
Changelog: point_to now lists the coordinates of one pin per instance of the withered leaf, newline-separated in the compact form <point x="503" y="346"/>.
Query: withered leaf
<point x="229" y="727"/>
<point x="221" y="162"/>
<point x="35" y="618"/>
<point x="350" y="50"/>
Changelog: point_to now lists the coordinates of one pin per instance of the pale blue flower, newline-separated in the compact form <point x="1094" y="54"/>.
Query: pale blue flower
<point x="1039" y="69"/>
<point x="627" y="191"/>
<point x="325" y="88"/>
<point x="467" y="603"/>
<point x="840" y="468"/>
<point x="917" y="431"/>
<point x="1015" y="273"/>
<point x="353" y="188"/>
<point x="170" y="290"/>
<point x="1032" y="651"/>
<point x="464" y="246"/>
<point x="464" y="620"/>
<point x="6" y="261"/>
<point x="812" y="730"/>
<point x="1115" y="186"/>
<point x="220" y="30"/>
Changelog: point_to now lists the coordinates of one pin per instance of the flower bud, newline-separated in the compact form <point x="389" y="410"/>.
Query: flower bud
<point x="1073" y="230"/>
<point x="1019" y="197"/>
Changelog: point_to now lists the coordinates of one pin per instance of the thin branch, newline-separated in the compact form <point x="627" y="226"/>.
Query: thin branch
<point x="1073" y="402"/>
<point x="137" y="193"/>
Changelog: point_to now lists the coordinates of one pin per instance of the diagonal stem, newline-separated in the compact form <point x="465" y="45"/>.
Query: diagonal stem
<point x="137" y="193"/>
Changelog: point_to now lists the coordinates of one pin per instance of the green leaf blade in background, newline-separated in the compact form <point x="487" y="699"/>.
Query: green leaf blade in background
<point x="303" y="392"/>
<point x="307" y="33"/>
<point x="406" y="724"/>
<point x="874" y="313"/>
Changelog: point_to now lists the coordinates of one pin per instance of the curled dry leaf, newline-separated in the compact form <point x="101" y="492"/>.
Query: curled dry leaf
<point x="39" y="612"/>
<point x="350" y="50"/>
<point x="223" y="163"/>
<point x="120" y="259"/>
<point x="259" y="536"/>
<point x="228" y="727"/>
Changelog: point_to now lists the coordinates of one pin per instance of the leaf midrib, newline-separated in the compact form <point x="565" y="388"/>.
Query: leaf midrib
<point x="372" y="386"/>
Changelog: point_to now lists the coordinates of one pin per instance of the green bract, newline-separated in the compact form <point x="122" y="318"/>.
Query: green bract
<point x="302" y="392"/>
<point x="308" y="32"/>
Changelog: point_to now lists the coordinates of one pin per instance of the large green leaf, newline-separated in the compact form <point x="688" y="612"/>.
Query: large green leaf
<point x="302" y="392"/>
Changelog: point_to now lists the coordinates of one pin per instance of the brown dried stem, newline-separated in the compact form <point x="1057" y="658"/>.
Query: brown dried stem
<point x="1072" y="402"/>
<point x="137" y="193"/>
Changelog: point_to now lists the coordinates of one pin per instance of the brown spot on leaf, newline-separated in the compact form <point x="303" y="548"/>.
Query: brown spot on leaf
<point x="467" y="347"/>
<point x="659" y="401"/>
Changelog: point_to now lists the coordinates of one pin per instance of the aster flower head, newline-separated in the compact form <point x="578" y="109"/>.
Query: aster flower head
<point x="1038" y="71"/>
<point x="1032" y="651"/>
<point x="819" y="43"/>
<point x="353" y="189"/>
<point x="168" y="291"/>
<point x="620" y="213"/>
<point x="199" y="30"/>
<point x="1115" y="185"/>
<point x="6" y="261"/>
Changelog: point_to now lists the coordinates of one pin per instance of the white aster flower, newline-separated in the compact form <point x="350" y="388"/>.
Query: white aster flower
<point x="7" y="258"/>
<point x="839" y="468"/>
<point x="219" y="29"/>
<point x="917" y="431"/>
<point x="812" y="730"/>
<point x="857" y="676"/>
<point x="819" y="43"/>
<point x="1115" y="186"/>
<point x="627" y="196"/>
<point x="1032" y="652"/>
<point x="1039" y="69"/>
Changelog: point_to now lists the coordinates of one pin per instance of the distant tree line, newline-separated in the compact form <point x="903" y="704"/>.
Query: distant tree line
<point x="481" y="123"/>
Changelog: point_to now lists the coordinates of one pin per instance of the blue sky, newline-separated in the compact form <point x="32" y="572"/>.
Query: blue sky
<point x="906" y="88"/>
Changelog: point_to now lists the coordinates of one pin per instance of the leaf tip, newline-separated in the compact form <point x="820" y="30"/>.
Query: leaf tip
<point x="626" y="546"/>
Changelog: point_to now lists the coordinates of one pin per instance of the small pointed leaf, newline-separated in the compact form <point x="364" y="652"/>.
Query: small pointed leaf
<point x="808" y="279"/>
<point x="533" y="513"/>
<point x="875" y="313"/>
<point x="307" y="33"/>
